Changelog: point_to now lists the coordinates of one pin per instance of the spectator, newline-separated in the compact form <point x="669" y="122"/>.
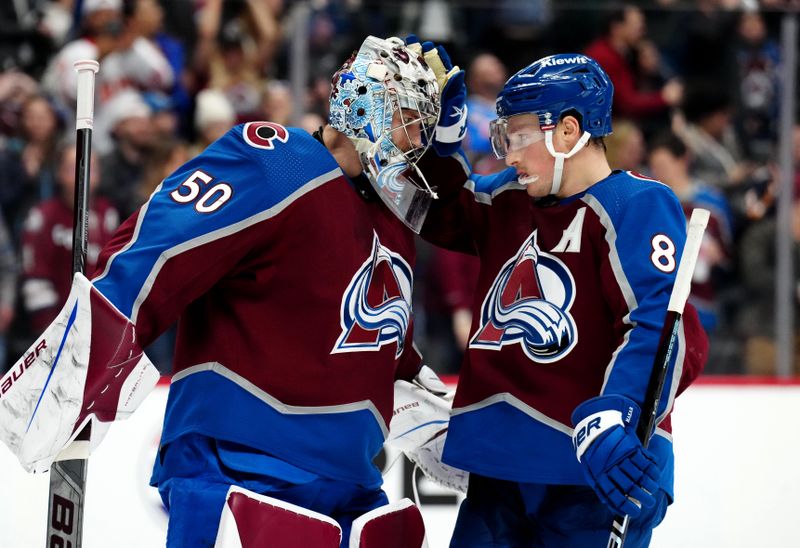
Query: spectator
<point x="127" y="60"/>
<point x="757" y="318"/>
<point x="709" y="134"/>
<point x="213" y="116"/>
<point x="102" y="28"/>
<point x="277" y="103"/>
<point x="47" y="246"/>
<point x="24" y="42"/>
<point x="625" y="148"/>
<point x="167" y="155"/>
<point x="669" y="162"/>
<point x="27" y="163"/>
<point x="147" y="21"/>
<point x="624" y="29"/>
<point x="232" y="58"/>
<point x="15" y="88"/>
<point x="485" y="79"/>
<point x="652" y="74"/>
<point x="165" y="120"/>
<point x="758" y="59"/>
<point x="8" y="288"/>
<point x="129" y="120"/>
<point x="706" y="32"/>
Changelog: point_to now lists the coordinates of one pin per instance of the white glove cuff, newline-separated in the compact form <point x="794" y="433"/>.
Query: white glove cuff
<point x="591" y="427"/>
<point x="455" y="132"/>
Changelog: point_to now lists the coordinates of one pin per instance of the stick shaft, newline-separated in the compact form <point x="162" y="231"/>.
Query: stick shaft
<point x="666" y="345"/>
<point x="69" y="471"/>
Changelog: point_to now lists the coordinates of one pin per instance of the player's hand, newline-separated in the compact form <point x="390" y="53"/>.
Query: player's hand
<point x="620" y="470"/>
<point x="452" y="124"/>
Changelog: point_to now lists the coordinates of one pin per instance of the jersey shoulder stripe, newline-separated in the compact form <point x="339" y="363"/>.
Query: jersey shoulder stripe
<point x="230" y="186"/>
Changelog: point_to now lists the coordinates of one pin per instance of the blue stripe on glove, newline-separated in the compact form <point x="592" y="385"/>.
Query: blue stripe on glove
<point x="615" y="464"/>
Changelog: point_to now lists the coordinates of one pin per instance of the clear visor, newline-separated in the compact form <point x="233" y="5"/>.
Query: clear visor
<point x="407" y="200"/>
<point x="515" y="136"/>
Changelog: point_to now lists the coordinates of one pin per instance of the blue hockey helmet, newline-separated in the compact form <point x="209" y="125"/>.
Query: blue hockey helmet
<point x="557" y="84"/>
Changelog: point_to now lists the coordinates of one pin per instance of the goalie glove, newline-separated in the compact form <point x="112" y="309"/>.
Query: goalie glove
<point x="452" y="125"/>
<point x="615" y="463"/>
<point x="419" y="427"/>
<point x="86" y="366"/>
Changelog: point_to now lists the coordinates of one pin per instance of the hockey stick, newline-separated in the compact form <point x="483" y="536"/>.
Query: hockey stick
<point x="666" y="344"/>
<point x="68" y="473"/>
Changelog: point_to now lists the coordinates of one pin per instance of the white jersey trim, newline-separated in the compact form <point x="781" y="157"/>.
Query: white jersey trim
<point x="619" y="275"/>
<point x="485" y="197"/>
<point x="275" y="403"/>
<point x="632" y="303"/>
<point x="167" y="254"/>
<point x="519" y="405"/>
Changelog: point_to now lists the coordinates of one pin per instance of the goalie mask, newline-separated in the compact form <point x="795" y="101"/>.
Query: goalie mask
<point x="548" y="89"/>
<point x="386" y="100"/>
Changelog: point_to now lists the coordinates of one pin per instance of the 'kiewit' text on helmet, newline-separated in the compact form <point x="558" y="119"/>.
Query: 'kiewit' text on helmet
<point x="382" y="81"/>
<point x="557" y="84"/>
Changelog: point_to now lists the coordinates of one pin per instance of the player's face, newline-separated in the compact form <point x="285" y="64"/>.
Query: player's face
<point x="406" y="129"/>
<point x="528" y="154"/>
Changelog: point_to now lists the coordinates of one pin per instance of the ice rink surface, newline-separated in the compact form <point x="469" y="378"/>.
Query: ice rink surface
<point x="737" y="478"/>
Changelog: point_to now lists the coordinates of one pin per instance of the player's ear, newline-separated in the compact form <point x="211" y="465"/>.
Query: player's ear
<point x="570" y="128"/>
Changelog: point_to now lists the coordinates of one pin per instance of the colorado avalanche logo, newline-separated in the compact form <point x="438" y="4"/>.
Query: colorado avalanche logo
<point x="376" y="306"/>
<point x="262" y="134"/>
<point x="528" y="304"/>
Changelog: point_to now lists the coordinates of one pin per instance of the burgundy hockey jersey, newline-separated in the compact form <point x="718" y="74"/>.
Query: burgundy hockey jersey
<point x="293" y="295"/>
<point x="569" y="305"/>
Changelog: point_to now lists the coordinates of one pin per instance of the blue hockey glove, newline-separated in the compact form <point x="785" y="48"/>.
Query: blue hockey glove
<point x="620" y="470"/>
<point x="452" y="126"/>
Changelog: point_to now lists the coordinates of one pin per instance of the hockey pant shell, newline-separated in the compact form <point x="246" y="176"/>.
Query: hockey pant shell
<point x="194" y="472"/>
<point x="498" y="513"/>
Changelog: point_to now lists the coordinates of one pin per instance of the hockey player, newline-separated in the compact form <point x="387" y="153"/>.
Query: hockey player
<point x="577" y="265"/>
<point x="287" y="260"/>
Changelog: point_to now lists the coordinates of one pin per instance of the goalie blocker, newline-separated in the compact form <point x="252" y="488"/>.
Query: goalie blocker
<point x="86" y="366"/>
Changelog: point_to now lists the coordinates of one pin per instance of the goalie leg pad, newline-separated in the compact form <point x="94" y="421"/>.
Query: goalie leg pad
<point x="250" y="520"/>
<point x="396" y="525"/>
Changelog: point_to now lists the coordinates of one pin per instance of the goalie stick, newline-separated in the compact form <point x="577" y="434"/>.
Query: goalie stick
<point x="666" y="344"/>
<point x="68" y="473"/>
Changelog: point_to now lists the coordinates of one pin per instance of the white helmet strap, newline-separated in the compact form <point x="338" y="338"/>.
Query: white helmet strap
<point x="558" y="168"/>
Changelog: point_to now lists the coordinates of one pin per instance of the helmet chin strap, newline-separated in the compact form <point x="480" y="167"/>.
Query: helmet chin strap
<point x="558" y="168"/>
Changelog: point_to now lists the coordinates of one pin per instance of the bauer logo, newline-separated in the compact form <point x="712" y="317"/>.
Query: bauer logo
<point x="16" y="372"/>
<point x="528" y="304"/>
<point x="376" y="305"/>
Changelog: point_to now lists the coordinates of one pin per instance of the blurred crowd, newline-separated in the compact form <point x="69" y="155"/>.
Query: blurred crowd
<point x="697" y="94"/>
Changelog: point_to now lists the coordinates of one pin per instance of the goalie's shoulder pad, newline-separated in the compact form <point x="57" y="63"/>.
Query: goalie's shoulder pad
<point x="87" y="365"/>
